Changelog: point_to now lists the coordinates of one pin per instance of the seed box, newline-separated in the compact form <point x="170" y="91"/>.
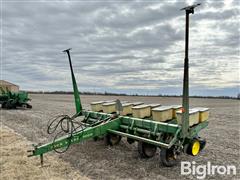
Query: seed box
<point x="141" y="111"/>
<point x="193" y="117"/>
<point x="162" y="113"/>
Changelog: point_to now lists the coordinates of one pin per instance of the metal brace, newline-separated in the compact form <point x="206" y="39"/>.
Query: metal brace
<point x="155" y="130"/>
<point x="132" y="124"/>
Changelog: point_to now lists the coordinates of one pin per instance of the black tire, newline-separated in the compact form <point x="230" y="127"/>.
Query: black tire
<point x="130" y="141"/>
<point x="95" y="139"/>
<point x="146" y="150"/>
<point x="4" y="105"/>
<point x="203" y="143"/>
<point x="10" y="104"/>
<point x="98" y="138"/>
<point x="168" y="157"/>
<point x="112" y="139"/>
<point x="29" y="106"/>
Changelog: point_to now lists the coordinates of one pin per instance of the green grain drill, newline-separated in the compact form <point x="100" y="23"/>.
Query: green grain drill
<point x="13" y="100"/>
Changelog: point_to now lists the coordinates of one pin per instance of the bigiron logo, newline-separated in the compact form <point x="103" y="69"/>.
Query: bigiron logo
<point x="201" y="171"/>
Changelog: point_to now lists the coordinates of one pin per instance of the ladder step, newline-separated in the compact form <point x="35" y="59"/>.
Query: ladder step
<point x="160" y="144"/>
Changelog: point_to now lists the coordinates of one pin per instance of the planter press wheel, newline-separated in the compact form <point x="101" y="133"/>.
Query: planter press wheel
<point x="146" y="150"/>
<point x="112" y="139"/>
<point x="169" y="157"/>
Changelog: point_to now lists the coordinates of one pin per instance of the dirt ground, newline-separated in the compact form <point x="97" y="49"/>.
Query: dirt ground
<point x="95" y="160"/>
<point x="16" y="165"/>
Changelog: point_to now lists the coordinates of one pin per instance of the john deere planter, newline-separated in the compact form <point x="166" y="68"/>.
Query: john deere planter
<point x="173" y="129"/>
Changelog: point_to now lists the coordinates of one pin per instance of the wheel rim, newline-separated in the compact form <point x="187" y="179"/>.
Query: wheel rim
<point x="195" y="148"/>
<point x="24" y="106"/>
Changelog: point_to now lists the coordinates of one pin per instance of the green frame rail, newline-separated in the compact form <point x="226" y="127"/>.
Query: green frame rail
<point x="125" y="126"/>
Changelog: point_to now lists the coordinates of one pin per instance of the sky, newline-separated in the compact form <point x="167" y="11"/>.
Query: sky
<point x="121" y="46"/>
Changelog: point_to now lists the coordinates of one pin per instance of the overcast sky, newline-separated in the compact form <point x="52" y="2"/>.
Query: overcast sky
<point x="119" y="46"/>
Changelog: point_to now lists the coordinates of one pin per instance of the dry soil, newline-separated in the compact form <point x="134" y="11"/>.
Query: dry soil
<point x="95" y="160"/>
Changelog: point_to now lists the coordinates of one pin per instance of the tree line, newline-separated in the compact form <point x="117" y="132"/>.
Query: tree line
<point x="136" y="94"/>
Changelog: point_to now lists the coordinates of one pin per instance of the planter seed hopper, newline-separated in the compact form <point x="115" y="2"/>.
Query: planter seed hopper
<point x="173" y="135"/>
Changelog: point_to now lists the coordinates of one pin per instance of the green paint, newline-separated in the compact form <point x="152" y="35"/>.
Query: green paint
<point x="10" y="99"/>
<point x="125" y="126"/>
<point x="78" y="104"/>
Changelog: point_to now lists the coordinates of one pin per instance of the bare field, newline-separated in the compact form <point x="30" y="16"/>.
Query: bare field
<point x="96" y="161"/>
<point x="16" y="165"/>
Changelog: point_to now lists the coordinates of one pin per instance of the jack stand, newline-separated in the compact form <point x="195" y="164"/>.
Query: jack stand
<point x="41" y="160"/>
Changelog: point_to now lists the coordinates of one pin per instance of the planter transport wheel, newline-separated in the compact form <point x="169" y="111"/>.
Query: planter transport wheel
<point x="112" y="139"/>
<point x="168" y="157"/>
<point x="194" y="147"/>
<point x="146" y="150"/>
